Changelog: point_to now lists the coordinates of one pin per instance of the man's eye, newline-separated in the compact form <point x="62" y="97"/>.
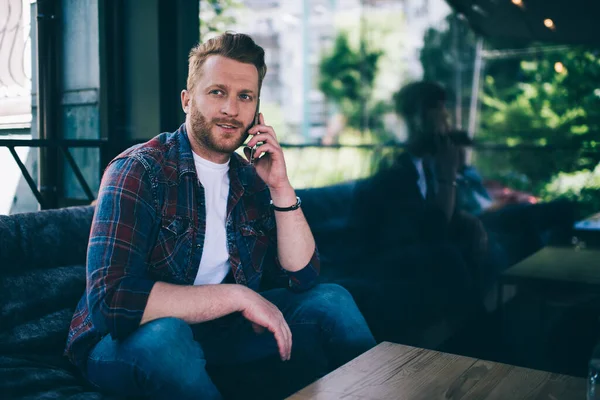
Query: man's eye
<point x="245" y="97"/>
<point x="216" y="91"/>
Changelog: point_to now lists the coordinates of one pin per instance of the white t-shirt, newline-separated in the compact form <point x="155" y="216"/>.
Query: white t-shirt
<point x="214" y="265"/>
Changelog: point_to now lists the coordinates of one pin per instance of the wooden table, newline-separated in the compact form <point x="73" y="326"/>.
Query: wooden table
<point x="564" y="265"/>
<point x="554" y="270"/>
<point x="394" y="371"/>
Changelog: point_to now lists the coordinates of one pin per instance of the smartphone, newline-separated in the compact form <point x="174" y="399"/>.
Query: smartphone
<point x="256" y="122"/>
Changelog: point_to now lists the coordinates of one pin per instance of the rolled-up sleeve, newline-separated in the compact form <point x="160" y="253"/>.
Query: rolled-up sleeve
<point x="306" y="277"/>
<point x="123" y="230"/>
<point x="297" y="281"/>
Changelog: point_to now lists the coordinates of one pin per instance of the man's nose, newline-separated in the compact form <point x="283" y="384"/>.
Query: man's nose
<point x="230" y="107"/>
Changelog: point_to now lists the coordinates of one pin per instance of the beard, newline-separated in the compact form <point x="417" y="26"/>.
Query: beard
<point x="202" y="132"/>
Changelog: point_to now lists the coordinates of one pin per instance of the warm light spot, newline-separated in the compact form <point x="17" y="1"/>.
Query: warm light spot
<point x="548" y="23"/>
<point x="519" y="3"/>
<point x="559" y="67"/>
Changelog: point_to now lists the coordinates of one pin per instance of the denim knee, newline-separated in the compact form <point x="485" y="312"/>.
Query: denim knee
<point x="169" y="356"/>
<point x="346" y="332"/>
<point x="332" y="298"/>
<point x="334" y="305"/>
<point x="160" y="359"/>
<point x="162" y="334"/>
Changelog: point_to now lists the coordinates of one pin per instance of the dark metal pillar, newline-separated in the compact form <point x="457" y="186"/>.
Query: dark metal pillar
<point x="112" y="85"/>
<point x="179" y="31"/>
<point x="48" y="99"/>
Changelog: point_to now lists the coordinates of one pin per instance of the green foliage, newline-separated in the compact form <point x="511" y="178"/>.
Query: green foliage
<point x="530" y="100"/>
<point x="582" y="186"/>
<point x="560" y="109"/>
<point x="381" y="29"/>
<point x="216" y="16"/>
<point x="346" y="78"/>
<point x="444" y="49"/>
<point x="448" y="54"/>
<point x="363" y="69"/>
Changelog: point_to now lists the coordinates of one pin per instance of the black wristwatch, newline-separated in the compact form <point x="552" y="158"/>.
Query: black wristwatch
<point x="290" y="208"/>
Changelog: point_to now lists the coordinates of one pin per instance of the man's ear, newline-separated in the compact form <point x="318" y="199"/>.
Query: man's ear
<point x="185" y="101"/>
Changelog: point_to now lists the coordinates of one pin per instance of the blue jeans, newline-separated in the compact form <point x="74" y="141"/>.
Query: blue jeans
<point x="167" y="358"/>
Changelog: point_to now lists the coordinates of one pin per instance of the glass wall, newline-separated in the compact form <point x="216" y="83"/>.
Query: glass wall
<point x="333" y="68"/>
<point x="333" y="65"/>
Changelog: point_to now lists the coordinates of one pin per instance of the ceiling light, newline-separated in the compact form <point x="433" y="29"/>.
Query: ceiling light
<point x="548" y="23"/>
<point x="519" y="3"/>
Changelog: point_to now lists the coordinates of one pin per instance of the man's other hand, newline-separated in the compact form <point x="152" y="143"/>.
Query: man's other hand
<point x="265" y="315"/>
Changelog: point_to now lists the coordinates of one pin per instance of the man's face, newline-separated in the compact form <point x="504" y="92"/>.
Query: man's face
<point x="221" y="107"/>
<point x="439" y="120"/>
<point x="435" y="122"/>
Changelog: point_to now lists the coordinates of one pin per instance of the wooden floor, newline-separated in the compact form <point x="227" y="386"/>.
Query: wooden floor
<point x="393" y="371"/>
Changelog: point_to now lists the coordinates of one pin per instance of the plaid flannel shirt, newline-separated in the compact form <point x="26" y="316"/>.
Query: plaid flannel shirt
<point x="149" y="226"/>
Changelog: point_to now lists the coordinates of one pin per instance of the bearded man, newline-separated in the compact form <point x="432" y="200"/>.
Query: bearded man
<point x="184" y="232"/>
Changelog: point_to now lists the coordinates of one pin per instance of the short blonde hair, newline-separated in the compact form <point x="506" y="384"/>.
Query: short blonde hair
<point x="237" y="46"/>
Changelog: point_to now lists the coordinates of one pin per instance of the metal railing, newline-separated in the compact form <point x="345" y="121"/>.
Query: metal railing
<point x="62" y="146"/>
<point x="360" y="157"/>
<point x="314" y="165"/>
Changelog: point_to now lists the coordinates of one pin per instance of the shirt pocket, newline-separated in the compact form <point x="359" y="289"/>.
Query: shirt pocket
<point x="172" y="252"/>
<point x="256" y="241"/>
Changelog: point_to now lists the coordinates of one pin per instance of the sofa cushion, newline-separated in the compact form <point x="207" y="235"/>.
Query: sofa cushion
<point x="329" y="212"/>
<point x="33" y="331"/>
<point x="44" y="239"/>
<point x="34" y="378"/>
<point x="33" y="294"/>
<point x="42" y="277"/>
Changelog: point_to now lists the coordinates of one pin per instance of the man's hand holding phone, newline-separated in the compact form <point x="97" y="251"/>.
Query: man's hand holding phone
<point x="265" y="153"/>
